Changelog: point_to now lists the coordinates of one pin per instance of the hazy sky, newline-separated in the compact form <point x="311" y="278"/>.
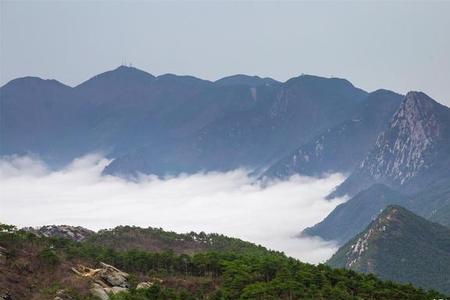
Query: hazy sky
<point x="396" y="45"/>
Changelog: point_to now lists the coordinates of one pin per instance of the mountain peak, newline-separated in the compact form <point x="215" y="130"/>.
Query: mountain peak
<point x="325" y="86"/>
<point x="397" y="244"/>
<point x="306" y="78"/>
<point x="33" y="82"/>
<point x="390" y="214"/>
<point x="390" y="219"/>
<point x="413" y="132"/>
<point x="417" y="106"/>
<point x="411" y="153"/>
<point x="119" y="76"/>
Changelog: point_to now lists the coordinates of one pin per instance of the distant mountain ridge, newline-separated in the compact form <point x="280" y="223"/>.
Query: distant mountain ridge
<point x="242" y="79"/>
<point x="400" y="246"/>
<point x="171" y="124"/>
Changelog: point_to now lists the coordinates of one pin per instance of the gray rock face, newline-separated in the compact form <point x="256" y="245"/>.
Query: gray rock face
<point x="402" y="152"/>
<point x="105" y="280"/>
<point x="411" y="153"/>
<point x="113" y="276"/>
<point x="75" y="233"/>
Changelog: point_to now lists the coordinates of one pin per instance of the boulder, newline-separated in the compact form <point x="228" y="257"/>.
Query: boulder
<point x="105" y="280"/>
<point x="113" y="276"/>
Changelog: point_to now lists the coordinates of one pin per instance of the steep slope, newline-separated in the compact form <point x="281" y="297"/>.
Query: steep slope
<point x="341" y="148"/>
<point x="351" y="217"/>
<point x="411" y="153"/>
<point x="400" y="246"/>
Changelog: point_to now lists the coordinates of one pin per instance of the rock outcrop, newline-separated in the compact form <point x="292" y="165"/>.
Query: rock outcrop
<point x="75" y="233"/>
<point x="105" y="280"/>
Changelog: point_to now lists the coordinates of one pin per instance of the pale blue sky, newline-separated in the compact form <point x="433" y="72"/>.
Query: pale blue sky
<point x="396" y="45"/>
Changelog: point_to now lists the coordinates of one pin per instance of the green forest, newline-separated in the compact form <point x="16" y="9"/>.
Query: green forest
<point x="247" y="273"/>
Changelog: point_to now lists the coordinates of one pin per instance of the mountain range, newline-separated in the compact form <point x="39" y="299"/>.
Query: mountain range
<point x="171" y="124"/>
<point x="394" y="148"/>
<point x="308" y="125"/>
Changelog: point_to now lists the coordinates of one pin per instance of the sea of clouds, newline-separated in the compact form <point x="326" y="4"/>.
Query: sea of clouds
<point x="231" y="203"/>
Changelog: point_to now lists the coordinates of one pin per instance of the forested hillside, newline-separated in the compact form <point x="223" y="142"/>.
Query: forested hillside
<point x="39" y="267"/>
<point x="401" y="246"/>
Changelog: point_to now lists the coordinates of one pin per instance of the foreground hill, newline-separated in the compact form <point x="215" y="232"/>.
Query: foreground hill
<point x="124" y="238"/>
<point x="34" y="266"/>
<point x="400" y="246"/>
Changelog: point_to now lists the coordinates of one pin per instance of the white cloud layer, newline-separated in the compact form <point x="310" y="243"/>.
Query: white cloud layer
<point x="230" y="203"/>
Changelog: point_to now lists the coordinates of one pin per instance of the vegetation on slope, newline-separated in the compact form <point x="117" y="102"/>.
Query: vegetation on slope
<point x="123" y="238"/>
<point x="33" y="264"/>
<point x="400" y="246"/>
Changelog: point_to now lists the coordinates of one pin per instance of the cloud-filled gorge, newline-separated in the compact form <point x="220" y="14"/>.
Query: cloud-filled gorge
<point x="230" y="203"/>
